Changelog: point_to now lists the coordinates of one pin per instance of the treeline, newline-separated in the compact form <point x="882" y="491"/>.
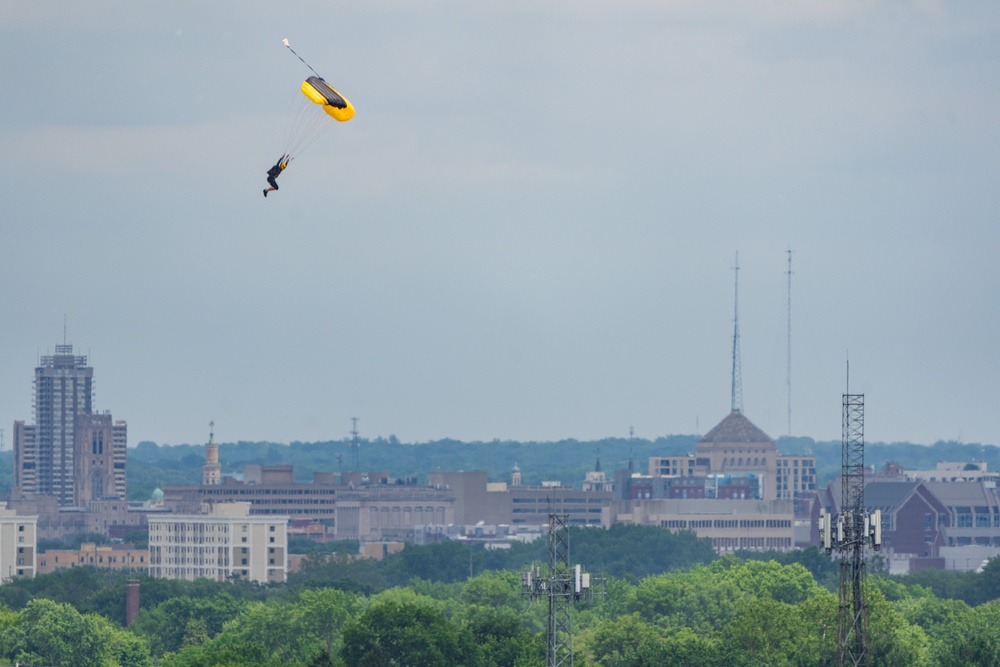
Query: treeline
<point x="567" y="461"/>
<point x="151" y="465"/>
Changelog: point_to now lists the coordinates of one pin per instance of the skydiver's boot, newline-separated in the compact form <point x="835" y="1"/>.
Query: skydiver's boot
<point x="265" y="192"/>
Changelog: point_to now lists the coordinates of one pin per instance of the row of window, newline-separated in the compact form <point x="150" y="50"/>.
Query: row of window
<point x="683" y="524"/>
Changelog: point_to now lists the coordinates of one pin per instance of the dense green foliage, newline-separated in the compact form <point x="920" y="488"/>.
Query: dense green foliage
<point x="730" y="611"/>
<point x="665" y="600"/>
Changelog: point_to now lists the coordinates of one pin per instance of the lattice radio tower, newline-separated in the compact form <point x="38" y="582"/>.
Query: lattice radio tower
<point x="355" y="445"/>
<point x="562" y="586"/>
<point x="850" y="533"/>
<point x="737" y="393"/>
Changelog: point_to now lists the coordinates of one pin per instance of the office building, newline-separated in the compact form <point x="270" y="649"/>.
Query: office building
<point x="69" y="453"/>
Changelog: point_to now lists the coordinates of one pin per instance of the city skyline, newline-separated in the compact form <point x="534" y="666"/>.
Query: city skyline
<point x="527" y="231"/>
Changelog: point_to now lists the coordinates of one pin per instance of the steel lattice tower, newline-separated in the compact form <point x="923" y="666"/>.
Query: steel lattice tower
<point x="853" y="535"/>
<point x="737" y="391"/>
<point x="561" y="587"/>
<point x="559" y="645"/>
<point x="355" y="445"/>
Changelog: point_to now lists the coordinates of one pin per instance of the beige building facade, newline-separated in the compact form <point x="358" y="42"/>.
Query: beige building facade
<point x="100" y="556"/>
<point x="225" y="542"/>
<point x="18" y="546"/>
<point x="732" y="525"/>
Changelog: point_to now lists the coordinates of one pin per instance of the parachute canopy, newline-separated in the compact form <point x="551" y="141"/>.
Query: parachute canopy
<point x="333" y="103"/>
<point x="320" y="104"/>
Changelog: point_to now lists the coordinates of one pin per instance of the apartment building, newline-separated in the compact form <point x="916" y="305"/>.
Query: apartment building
<point x="225" y="542"/>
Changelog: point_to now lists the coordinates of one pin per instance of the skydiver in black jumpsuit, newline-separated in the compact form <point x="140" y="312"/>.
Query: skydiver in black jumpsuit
<point x="274" y="172"/>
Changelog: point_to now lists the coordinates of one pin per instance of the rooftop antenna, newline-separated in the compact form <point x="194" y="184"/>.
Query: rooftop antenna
<point x="737" y="394"/>
<point x="788" y="381"/>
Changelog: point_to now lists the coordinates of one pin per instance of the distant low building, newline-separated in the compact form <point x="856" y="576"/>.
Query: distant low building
<point x="497" y="503"/>
<point x="350" y="506"/>
<point x="731" y="525"/>
<point x="103" y="557"/>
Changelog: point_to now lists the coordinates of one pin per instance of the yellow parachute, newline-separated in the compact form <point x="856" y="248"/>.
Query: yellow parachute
<point x="320" y="104"/>
<point x="333" y="103"/>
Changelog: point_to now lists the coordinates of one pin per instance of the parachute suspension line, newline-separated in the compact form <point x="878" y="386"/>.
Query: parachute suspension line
<point x="285" y="42"/>
<point x="303" y="125"/>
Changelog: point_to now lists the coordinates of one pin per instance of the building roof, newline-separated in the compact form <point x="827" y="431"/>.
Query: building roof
<point x="888" y="495"/>
<point x="970" y="494"/>
<point x="735" y="428"/>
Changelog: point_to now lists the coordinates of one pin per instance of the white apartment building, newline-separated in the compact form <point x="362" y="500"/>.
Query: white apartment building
<point x="18" y="548"/>
<point x="225" y="542"/>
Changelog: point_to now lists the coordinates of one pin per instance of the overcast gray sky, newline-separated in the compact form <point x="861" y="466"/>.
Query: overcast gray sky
<point x="528" y="229"/>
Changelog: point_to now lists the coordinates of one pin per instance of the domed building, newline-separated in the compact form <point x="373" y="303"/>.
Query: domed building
<point x="736" y="446"/>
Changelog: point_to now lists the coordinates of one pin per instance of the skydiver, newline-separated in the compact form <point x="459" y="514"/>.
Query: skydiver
<point x="274" y="172"/>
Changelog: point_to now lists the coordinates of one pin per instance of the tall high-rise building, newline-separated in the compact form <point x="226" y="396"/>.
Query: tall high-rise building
<point x="49" y="457"/>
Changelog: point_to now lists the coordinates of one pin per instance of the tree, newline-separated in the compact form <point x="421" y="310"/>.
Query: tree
<point x="498" y="632"/>
<point x="167" y="627"/>
<point x="974" y="640"/>
<point x="407" y="633"/>
<point x="55" y="634"/>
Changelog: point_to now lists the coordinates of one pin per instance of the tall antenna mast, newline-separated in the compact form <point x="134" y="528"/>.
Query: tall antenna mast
<point x="737" y="394"/>
<point x="355" y="445"/>
<point x="788" y="381"/>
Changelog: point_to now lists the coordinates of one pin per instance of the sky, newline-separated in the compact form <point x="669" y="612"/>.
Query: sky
<point x="527" y="232"/>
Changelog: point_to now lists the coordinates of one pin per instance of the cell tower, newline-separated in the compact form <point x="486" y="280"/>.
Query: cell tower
<point x="355" y="445"/>
<point x="850" y="533"/>
<point x="562" y="586"/>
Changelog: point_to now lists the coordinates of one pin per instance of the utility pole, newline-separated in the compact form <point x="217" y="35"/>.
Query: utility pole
<point x="853" y="530"/>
